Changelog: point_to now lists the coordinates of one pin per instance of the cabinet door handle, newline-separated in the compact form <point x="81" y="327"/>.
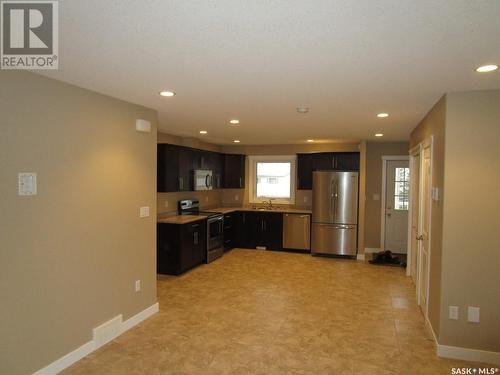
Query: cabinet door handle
<point x="195" y="238"/>
<point x="240" y="181"/>
<point x="265" y="225"/>
<point x="262" y="224"/>
<point x="333" y="161"/>
<point x="181" y="183"/>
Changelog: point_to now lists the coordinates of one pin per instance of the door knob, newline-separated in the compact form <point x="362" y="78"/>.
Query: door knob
<point x="389" y="215"/>
<point x="420" y="238"/>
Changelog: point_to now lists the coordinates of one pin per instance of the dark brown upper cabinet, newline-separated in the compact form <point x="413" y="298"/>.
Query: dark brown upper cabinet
<point x="173" y="168"/>
<point x="234" y="171"/>
<point x="304" y="171"/>
<point x="329" y="161"/>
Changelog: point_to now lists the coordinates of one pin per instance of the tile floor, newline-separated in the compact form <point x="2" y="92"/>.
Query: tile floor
<point x="262" y="312"/>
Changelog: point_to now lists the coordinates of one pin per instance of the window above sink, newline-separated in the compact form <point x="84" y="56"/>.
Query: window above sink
<point x="272" y="178"/>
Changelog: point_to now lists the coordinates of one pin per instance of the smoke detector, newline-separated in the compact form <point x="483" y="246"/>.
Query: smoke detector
<point x="302" y="109"/>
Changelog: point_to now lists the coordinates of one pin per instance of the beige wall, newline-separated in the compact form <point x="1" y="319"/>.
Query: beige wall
<point x="70" y="255"/>
<point x="374" y="153"/>
<point x="187" y="142"/>
<point x="471" y="239"/>
<point x="433" y="124"/>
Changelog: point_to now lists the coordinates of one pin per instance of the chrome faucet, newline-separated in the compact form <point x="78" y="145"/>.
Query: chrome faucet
<point x="270" y="207"/>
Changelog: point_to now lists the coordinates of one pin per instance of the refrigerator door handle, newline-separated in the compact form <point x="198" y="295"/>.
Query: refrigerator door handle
<point x="332" y="201"/>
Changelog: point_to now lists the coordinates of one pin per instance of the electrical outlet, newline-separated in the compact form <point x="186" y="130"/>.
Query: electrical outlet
<point x="144" y="211"/>
<point x="166" y="204"/>
<point x="306" y="199"/>
<point x="473" y="314"/>
<point x="236" y="198"/>
<point x="206" y="199"/>
<point x="376" y="197"/>
<point x="137" y="286"/>
<point x="453" y="312"/>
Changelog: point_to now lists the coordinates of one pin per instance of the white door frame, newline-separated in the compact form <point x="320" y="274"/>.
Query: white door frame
<point x="413" y="154"/>
<point x="428" y="142"/>
<point x="386" y="158"/>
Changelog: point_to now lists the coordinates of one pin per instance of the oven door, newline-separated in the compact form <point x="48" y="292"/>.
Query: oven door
<point x="215" y="231"/>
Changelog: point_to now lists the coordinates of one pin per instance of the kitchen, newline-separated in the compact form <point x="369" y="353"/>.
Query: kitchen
<point x="265" y="223"/>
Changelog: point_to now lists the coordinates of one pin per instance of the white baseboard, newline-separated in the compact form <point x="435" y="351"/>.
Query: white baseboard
<point x="87" y="348"/>
<point x="143" y="315"/>
<point x="369" y="250"/>
<point x="360" y="257"/>
<point x="467" y="354"/>
<point x="66" y="361"/>
<point x="464" y="354"/>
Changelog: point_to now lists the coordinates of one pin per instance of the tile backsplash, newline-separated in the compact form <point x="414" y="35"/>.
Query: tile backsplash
<point x="167" y="202"/>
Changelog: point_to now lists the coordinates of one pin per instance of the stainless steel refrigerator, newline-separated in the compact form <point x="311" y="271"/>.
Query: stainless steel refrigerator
<point x="335" y="213"/>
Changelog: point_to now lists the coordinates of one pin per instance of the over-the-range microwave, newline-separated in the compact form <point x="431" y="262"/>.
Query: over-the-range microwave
<point x="202" y="179"/>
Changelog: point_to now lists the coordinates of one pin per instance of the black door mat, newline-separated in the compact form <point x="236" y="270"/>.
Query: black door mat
<point x="387" y="258"/>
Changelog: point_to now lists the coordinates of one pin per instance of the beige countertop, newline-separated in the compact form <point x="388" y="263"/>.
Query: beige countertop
<point x="185" y="219"/>
<point x="226" y="210"/>
<point x="181" y="219"/>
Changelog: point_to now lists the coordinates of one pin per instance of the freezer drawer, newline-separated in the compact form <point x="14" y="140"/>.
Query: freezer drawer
<point x="334" y="239"/>
<point x="297" y="231"/>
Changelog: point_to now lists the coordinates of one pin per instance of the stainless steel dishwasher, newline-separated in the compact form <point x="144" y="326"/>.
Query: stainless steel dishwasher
<point x="297" y="231"/>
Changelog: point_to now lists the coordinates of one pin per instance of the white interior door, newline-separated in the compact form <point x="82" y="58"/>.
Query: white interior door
<point x="415" y="203"/>
<point x="396" y="205"/>
<point x="424" y="232"/>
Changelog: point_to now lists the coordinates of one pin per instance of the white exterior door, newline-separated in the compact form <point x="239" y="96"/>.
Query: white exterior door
<point x="396" y="205"/>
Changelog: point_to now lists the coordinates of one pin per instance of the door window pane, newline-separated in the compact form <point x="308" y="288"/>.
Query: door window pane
<point x="401" y="188"/>
<point x="273" y="180"/>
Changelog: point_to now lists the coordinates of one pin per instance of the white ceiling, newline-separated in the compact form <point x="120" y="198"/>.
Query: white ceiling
<point x="258" y="60"/>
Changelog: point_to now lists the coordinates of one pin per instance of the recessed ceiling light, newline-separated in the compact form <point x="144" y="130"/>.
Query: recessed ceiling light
<point x="486" y="68"/>
<point x="302" y="109"/>
<point x="236" y="141"/>
<point x="379" y="135"/>
<point x="310" y="140"/>
<point x="234" y="122"/>
<point x="382" y="115"/>
<point x="203" y="132"/>
<point x="167" y="93"/>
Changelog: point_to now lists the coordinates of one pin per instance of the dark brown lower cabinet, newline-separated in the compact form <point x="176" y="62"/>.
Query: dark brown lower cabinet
<point x="231" y="230"/>
<point x="180" y="247"/>
<point x="262" y="229"/>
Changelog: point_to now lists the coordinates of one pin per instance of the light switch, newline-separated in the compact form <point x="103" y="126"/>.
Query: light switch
<point x="435" y="194"/>
<point x="473" y="314"/>
<point x="137" y="286"/>
<point x="236" y="198"/>
<point x="26" y="184"/>
<point x="166" y="204"/>
<point x="144" y="211"/>
<point x="306" y="199"/>
<point x="376" y="197"/>
<point x="453" y="312"/>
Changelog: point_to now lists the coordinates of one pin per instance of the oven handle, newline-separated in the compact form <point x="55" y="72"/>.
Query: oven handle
<point x="214" y="219"/>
